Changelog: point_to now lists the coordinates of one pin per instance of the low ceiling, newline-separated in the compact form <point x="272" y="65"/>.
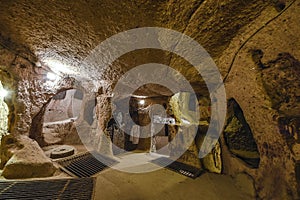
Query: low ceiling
<point x="65" y="32"/>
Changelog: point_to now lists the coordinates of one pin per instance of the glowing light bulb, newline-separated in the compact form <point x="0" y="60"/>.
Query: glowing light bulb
<point x="142" y="102"/>
<point x="51" y="76"/>
<point x="3" y="92"/>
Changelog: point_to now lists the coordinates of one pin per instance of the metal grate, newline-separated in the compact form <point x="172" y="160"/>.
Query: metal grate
<point x="85" y="164"/>
<point x="80" y="189"/>
<point x="181" y="168"/>
<point x="117" y="150"/>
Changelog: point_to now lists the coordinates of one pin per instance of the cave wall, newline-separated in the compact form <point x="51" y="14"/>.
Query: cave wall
<point x="60" y="118"/>
<point x="229" y="31"/>
<point x="28" y="87"/>
<point x="275" y="33"/>
<point x="64" y="107"/>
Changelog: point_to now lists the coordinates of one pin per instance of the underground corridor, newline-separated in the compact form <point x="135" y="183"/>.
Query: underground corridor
<point x="167" y="99"/>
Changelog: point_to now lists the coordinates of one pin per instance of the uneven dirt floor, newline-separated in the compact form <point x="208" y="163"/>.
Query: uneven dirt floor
<point x="165" y="184"/>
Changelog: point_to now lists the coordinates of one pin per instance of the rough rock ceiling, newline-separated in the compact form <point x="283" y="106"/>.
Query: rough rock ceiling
<point x="66" y="31"/>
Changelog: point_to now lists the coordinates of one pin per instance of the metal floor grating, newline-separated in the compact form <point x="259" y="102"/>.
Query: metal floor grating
<point x="181" y="168"/>
<point x="85" y="164"/>
<point x="58" y="189"/>
<point x="117" y="151"/>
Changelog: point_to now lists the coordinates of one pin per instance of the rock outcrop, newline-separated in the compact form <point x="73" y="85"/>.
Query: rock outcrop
<point x="23" y="158"/>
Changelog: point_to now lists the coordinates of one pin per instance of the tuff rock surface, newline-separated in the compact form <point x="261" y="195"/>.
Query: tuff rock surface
<point x="35" y="36"/>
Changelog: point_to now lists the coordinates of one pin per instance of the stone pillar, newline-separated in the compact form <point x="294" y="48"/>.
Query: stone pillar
<point x="190" y="156"/>
<point x="103" y="113"/>
<point x="145" y="132"/>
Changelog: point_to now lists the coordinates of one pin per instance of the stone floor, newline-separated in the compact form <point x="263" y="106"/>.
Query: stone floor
<point x="159" y="183"/>
<point x="166" y="184"/>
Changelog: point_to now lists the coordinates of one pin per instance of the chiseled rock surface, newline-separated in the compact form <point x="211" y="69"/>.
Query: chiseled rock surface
<point x="25" y="159"/>
<point x="275" y="178"/>
<point x="66" y="31"/>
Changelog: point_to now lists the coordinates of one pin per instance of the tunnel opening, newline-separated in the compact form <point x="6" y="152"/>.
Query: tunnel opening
<point x="137" y="136"/>
<point x="61" y="113"/>
<point x="239" y="137"/>
<point x="163" y="131"/>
